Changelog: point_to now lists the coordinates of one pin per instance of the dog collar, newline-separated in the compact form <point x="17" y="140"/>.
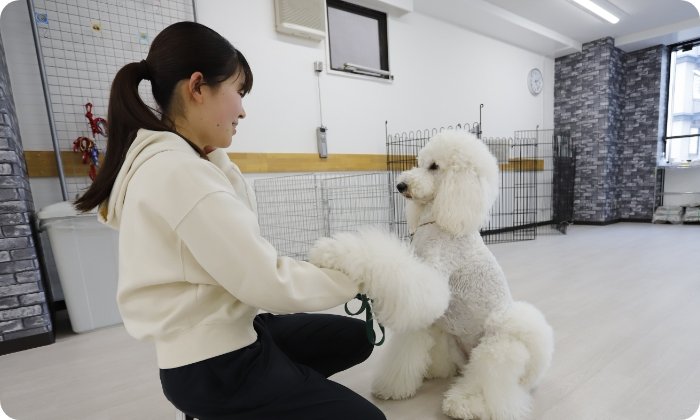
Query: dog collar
<point x="420" y="226"/>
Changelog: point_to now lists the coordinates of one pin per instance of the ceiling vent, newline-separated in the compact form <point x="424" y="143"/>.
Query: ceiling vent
<point x="302" y="18"/>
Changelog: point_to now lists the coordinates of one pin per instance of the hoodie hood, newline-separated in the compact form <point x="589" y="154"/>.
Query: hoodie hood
<point x="146" y="145"/>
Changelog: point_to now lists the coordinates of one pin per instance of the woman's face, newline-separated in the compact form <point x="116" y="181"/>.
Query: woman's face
<point x="222" y="109"/>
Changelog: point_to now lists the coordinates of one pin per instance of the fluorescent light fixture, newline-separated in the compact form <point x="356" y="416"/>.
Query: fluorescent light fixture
<point x="588" y="4"/>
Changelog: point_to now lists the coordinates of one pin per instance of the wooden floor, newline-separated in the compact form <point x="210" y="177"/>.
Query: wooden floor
<point x="624" y="302"/>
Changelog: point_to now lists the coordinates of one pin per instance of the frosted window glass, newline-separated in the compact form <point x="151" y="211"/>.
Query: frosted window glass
<point x="354" y="39"/>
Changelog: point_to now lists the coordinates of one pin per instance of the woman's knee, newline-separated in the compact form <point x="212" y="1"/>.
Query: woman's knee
<point x="362" y="341"/>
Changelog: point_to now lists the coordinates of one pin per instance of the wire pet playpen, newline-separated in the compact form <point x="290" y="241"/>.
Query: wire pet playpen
<point x="294" y="211"/>
<point x="513" y="206"/>
<point x="536" y="193"/>
<point x="535" y="186"/>
<point x="556" y="170"/>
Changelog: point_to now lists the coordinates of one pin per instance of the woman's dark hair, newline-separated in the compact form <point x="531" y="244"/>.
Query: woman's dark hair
<point x="176" y="52"/>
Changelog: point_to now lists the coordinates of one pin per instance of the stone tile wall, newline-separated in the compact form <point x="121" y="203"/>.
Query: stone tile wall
<point x="607" y="99"/>
<point x="644" y="120"/>
<point x="24" y="314"/>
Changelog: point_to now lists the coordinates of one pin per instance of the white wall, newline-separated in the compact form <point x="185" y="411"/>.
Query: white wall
<point x="442" y="74"/>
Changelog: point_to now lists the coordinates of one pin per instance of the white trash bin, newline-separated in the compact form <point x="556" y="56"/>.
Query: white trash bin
<point x="85" y="252"/>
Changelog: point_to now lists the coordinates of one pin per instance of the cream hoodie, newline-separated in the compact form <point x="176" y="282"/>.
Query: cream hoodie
<point x="193" y="268"/>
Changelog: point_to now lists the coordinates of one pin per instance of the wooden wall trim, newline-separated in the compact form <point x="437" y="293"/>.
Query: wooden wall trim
<point x="307" y="162"/>
<point x="42" y="164"/>
<point x="523" y="165"/>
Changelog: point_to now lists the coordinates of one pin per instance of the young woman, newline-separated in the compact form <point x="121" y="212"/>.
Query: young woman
<point x="193" y="268"/>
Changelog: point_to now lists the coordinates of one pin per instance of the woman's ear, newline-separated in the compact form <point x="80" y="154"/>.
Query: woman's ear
<point x="459" y="205"/>
<point x="194" y="86"/>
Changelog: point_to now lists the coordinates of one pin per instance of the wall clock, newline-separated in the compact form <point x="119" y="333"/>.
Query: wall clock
<point x="535" y="81"/>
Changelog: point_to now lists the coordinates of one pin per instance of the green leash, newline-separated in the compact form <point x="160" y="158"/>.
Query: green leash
<point x="369" y="319"/>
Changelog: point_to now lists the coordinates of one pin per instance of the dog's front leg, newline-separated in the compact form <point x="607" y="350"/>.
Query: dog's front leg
<point x="404" y="365"/>
<point x="407" y="293"/>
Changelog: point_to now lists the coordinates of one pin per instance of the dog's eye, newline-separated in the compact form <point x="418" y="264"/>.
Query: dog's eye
<point x="434" y="166"/>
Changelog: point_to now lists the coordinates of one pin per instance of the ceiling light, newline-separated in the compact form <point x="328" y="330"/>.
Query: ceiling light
<point x="588" y="4"/>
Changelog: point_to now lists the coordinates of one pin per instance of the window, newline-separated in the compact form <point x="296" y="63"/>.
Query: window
<point x="357" y="40"/>
<point x="683" y="121"/>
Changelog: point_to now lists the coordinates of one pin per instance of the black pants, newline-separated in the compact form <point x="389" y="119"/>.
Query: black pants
<point x="283" y="375"/>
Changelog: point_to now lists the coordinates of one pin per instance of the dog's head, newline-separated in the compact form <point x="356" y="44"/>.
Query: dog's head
<point x="458" y="175"/>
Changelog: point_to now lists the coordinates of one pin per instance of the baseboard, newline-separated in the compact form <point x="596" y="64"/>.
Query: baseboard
<point x="589" y="223"/>
<point x="516" y="228"/>
<point x="59" y="305"/>
<point x="610" y="222"/>
<point x="26" y="343"/>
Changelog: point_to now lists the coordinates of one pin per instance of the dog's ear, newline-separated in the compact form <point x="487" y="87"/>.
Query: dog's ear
<point x="463" y="200"/>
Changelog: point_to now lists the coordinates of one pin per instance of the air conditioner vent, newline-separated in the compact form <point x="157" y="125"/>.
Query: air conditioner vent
<point x="303" y="18"/>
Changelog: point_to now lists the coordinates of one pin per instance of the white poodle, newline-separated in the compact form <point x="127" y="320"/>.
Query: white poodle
<point x="498" y="348"/>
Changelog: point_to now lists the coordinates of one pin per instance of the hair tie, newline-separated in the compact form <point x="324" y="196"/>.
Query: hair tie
<point x="143" y="68"/>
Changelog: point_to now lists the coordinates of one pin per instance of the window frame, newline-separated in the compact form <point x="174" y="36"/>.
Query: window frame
<point x="383" y="40"/>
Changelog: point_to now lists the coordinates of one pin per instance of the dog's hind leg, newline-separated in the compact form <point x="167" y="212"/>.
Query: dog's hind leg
<point x="489" y="388"/>
<point x="445" y="356"/>
<point x="403" y="366"/>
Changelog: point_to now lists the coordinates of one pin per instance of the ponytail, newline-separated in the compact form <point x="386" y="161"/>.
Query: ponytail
<point x="127" y="113"/>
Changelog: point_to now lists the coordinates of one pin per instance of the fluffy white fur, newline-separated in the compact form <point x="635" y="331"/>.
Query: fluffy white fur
<point x="407" y="293"/>
<point x="497" y="348"/>
<point x="446" y="298"/>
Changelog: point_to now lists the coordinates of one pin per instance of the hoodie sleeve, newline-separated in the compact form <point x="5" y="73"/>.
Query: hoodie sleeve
<point x="215" y="223"/>
<point x="222" y="234"/>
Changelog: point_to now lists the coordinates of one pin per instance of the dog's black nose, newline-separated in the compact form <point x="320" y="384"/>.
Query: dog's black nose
<point x="401" y="186"/>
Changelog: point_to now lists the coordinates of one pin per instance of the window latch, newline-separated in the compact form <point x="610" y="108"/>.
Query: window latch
<point x="356" y="68"/>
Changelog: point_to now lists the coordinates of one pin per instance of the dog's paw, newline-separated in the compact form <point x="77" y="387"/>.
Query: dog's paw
<point x="441" y="369"/>
<point x="393" y="390"/>
<point x="345" y="251"/>
<point x="327" y="253"/>
<point x="466" y="407"/>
